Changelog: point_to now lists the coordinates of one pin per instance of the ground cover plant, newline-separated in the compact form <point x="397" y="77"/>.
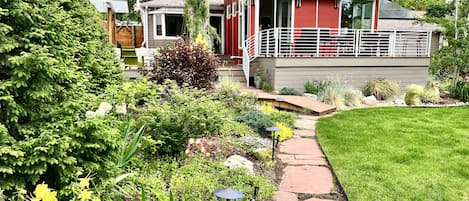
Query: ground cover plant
<point x="399" y="153"/>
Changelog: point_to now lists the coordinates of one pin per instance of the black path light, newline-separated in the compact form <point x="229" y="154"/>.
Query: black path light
<point x="228" y="194"/>
<point x="275" y="138"/>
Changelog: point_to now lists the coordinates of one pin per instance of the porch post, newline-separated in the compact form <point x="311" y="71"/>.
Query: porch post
<point x="292" y="23"/>
<point x="256" y="27"/>
<point x="275" y="13"/>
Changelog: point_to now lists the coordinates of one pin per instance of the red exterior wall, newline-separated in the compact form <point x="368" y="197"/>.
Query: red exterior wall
<point x="328" y="14"/>
<point x="305" y="16"/>
<point x="231" y="30"/>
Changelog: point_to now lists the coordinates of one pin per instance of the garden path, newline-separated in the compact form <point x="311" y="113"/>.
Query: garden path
<point x="307" y="175"/>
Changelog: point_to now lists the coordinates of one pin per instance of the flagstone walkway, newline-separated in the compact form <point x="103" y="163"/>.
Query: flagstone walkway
<point x="307" y="173"/>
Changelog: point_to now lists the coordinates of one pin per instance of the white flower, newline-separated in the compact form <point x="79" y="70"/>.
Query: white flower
<point x="105" y="106"/>
<point x="100" y="113"/>
<point x="90" y="114"/>
<point x="121" y="109"/>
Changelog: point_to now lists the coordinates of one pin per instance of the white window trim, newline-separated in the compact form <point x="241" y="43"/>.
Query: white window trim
<point x="373" y="17"/>
<point x="163" y="25"/>
<point x="234" y="12"/>
<point x="228" y="11"/>
<point x="241" y="25"/>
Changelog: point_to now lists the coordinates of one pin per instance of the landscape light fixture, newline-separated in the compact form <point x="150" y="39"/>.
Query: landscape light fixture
<point x="275" y="138"/>
<point x="228" y="194"/>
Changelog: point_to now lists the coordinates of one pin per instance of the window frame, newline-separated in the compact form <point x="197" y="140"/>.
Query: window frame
<point x="163" y="21"/>
<point x="228" y="11"/>
<point x="234" y="12"/>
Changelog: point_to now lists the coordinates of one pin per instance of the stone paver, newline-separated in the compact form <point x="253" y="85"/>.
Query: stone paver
<point x="285" y="196"/>
<point x="307" y="179"/>
<point x="319" y="161"/>
<point x="301" y="146"/>
<point x="304" y="133"/>
<point x="317" y="199"/>
<point x="305" y="124"/>
<point x="309" y="117"/>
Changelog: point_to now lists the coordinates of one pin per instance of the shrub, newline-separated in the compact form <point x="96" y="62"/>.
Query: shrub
<point x="186" y="62"/>
<point x="233" y="128"/>
<point x="287" y="118"/>
<point x="413" y="94"/>
<point x="198" y="179"/>
<point x="267" y="87"/>
<point x="182" y="113"/>
<point x="333" y="95"/>
<point x="209" y="147"/>
<point x="285" y="132"/>
<point x="461" y="90"/>
<point x="289" y="91"/>
<point x="352" y="97"/>
<point x="429" y="96"/>
<point x="252" y="142"/>
<point x="316" y="87"/>
<point x="381" y="88"/>
<point x="229" y="92"/>
<point x="258" y="121"/>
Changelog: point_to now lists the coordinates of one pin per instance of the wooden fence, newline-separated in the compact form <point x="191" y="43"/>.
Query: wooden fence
<point x="129" y="35"/>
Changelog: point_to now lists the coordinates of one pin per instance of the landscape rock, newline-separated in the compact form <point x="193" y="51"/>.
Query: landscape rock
<point x="312" y="96"/>
<point x="399" y="102"/>
<point x="370" y="101"/>
<point x="237" y="161"/>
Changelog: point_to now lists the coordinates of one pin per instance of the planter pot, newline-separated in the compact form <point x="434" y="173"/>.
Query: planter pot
<point x="257" y="82"/>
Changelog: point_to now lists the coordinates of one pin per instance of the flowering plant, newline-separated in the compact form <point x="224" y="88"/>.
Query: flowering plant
<point x="208" y="147"/>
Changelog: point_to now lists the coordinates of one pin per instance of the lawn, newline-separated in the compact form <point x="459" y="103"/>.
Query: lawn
<point x="399" y="153"/>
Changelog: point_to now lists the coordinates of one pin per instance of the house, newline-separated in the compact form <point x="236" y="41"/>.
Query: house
<point x="163" y="22"/>
<point x="300" y="40"/>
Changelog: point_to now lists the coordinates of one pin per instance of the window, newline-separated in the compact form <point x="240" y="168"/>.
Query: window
<point x="235" y="9"/>
<point x="357" y="15"/>
<point x="174" y="24"/>
<point x="168" y="25"/>
<point x="159" y="25"/>
<point x="228" y="11"/>
<point x="242" y="23"/>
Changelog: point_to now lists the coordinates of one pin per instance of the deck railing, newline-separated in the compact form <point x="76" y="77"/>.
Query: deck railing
<point x="323" y="42"/>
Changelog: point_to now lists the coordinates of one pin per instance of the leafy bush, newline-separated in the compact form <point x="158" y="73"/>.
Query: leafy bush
<point x="233" y="128"/>
<point x="229" y="92"/>
<point x="429" y="96"/>
<point x="333" y="95"/>
<point x="461" y="90"/>
<point x="267" y="87"/>
<point x="252" y="142"/>
<point x="352" y="97"/>
<point x="186" y="62"/>
<point x="198" y="179"/>
<point x="285" y="132"/>
<point x="316" y="87"/>
<point x="284" y="117"/>
<point x="289" y="91"/>
<point x="258" y="121"/>
<point x="209" y="147"/>
<point x="182" y="113"/>
<point x="381" y="88"/>
<point x="413" y="94"/>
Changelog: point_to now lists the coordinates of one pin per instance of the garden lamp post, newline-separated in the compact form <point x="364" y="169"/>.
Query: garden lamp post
<point x="275" y="138"/>
<point x="228" y="194"/>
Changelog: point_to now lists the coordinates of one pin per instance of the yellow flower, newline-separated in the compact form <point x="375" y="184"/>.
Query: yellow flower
<point x="22" y="191"/>
<point x="41" y="191"/>
<point x="51" y="196"/>
<point x="85" y="182"/>
<point x="36" y="199"/>
<point x="85" y="195"/>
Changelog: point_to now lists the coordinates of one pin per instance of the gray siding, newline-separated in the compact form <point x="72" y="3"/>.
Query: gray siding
<point x="294" y="72"/>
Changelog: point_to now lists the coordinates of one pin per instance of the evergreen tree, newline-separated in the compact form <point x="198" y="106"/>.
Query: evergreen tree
<point x="54" y="59"/>
<point x="197" y="18"/>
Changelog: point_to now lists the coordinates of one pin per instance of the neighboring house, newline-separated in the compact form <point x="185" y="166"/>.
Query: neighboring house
<point x="393" y="16"/>
<point x="163" y="22"/>
<point x="300" y="40"/>
<point x="111" y="7"/>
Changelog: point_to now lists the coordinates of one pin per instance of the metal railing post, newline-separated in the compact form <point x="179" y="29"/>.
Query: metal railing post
<point x="318" y="41"/>
<point x="276" y="38"/>
<point x="357" y="42"/>
<point x="429" y="43"/>
<point x="268" y="41"/>
<point x="394" y="43"/>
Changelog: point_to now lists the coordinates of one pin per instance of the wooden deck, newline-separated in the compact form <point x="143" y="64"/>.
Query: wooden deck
<point x="296" y="103"/>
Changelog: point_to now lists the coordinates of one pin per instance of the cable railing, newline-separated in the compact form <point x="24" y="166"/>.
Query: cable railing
<point x="324" y="42"/>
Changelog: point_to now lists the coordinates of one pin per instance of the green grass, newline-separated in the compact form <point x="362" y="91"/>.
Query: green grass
<point x="399" y="153"/>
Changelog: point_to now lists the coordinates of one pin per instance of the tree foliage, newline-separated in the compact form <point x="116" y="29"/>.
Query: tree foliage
<point x="456" y="52"/>
<point x="419" y="4"/>
<point x="54" y="59"/>
<point x="197" y="18"/>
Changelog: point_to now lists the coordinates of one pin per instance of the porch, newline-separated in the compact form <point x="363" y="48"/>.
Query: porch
<point x="292" y="56"/>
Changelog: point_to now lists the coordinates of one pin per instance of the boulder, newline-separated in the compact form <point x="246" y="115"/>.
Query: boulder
<point x="399" y="102"/>
<point x="312" y="96"/>
<point x="237" y="161"/>
<point x="370" y="101"/>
